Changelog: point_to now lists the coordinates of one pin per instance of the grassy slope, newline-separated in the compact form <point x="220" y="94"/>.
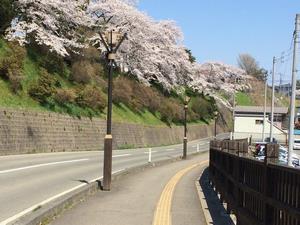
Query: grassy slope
<point x="256" y="96"/>
<point x="24" y="101"/>
<point x="243" y="99"/>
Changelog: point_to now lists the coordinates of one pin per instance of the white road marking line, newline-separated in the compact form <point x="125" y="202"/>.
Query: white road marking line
<point x="41" y="165"/>
<point x="204" y="143"/>
<point x="171" y="149"/>
<point x="148" y="152"/>
<point x="30" y="209"/>
<point x="123" y="155"/>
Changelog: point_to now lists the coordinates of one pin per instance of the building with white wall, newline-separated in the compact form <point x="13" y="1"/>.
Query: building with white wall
<point x="248" y="121"/>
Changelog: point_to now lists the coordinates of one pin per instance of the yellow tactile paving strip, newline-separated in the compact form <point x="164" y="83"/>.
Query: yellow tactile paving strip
<point x="162" y="214"/>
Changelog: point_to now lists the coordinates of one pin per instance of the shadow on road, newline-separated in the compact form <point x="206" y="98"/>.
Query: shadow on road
<point x="216" y="209"/>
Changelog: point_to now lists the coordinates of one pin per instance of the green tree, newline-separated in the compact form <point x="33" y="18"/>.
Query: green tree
<point x="191" y="57"/>
<point x="7" y="13"/>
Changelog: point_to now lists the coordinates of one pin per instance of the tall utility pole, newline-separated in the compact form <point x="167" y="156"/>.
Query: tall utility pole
<point x="273" y="97"/>
<point x="265" y="106"/>
<point x="293" y="96"/>
<point x="233" y="107"/>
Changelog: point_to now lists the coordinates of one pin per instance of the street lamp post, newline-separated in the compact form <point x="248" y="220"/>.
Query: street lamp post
<point x="112" y="41"/>
<point x="216" y="117"/>
<point x="186" y="101"/>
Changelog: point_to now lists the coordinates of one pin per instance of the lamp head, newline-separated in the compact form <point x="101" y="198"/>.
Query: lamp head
<point x="112" y="37"/>
<point x="187" y="99"/>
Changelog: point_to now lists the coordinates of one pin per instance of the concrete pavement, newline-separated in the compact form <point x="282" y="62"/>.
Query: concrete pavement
<point x="134" y="198"/>
<point x="28" y="182"/>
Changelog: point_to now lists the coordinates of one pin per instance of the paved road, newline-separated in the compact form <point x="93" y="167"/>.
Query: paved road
<point x="28" y="180"/>
<point x="154" y="196"/>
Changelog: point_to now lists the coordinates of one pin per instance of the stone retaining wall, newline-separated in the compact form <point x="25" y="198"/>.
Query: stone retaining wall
<point x="24" y="131"/>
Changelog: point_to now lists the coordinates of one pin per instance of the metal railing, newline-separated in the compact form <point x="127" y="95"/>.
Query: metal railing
<point x="257" y="192"/>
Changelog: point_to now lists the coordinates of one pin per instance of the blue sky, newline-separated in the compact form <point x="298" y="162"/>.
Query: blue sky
<point x="219" y="30"/>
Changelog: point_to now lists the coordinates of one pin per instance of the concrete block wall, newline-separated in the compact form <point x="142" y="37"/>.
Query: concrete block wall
<point x="23" y="131"/>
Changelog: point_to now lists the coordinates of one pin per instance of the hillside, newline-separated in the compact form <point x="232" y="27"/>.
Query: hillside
<point x="33" y="78"/>
<point x="62" y="66"/>
<point x="255" y="96"/>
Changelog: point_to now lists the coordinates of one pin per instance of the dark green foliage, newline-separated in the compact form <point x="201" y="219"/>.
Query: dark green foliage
<point x="191" y="57"/>
<point x="191" y="93"/>
<point x="44" y="88"/>
<point x="11" y="66"/>
<point x="52" y="62"/>
<point x="7" y="13"/>
<point x="203" y="108"/>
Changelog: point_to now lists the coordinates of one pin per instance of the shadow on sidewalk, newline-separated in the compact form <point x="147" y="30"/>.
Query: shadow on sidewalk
<point x="216" y="209"/>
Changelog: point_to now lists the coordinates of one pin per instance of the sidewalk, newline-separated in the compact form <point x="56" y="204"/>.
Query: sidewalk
<point x="134" y="198"/>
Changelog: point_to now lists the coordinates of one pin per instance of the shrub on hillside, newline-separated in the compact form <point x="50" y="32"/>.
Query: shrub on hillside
<point x="123" y="91"/>
<point x="91" y="97"/>
<point x="82" y="72"/>
<point x="99" y="69"/>
<point x="100" y="82"/>
<point x="203" y="108"/>
<point x="171" y="111"/>
<point x="11" y="66"/>
<point x="44" y="88"/>
<point x="91" y="53"/>
<point x="51" y="61"/>
<point x="136" y="95"/>
<point x="64" y="96"/>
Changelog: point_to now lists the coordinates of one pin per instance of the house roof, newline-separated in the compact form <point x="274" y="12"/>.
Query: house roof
<point x="260" y="109"/>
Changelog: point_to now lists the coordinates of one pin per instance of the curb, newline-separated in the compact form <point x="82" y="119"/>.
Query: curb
<point x="44" y="214"/>
<point x="203" y="203"/>
<point x="205" y="209"/>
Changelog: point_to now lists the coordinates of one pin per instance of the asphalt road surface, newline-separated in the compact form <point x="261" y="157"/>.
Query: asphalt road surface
<point x="27" y="181"/>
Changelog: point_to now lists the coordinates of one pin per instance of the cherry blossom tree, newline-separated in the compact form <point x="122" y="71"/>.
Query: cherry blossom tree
<point x="53" y="23"/>
<point x="153" y="51"/>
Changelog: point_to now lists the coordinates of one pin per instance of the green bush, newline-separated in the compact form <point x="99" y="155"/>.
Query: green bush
<point x="64" y="96"/>
<point x="44" y="88"/>
<point x="91" y="97"/>
<point x="51" y="61"/>
<point x="11" y="66"/>
<point x="204" y="108"/>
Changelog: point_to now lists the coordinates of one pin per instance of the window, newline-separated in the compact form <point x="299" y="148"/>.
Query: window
<point x="258" y="122"/>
